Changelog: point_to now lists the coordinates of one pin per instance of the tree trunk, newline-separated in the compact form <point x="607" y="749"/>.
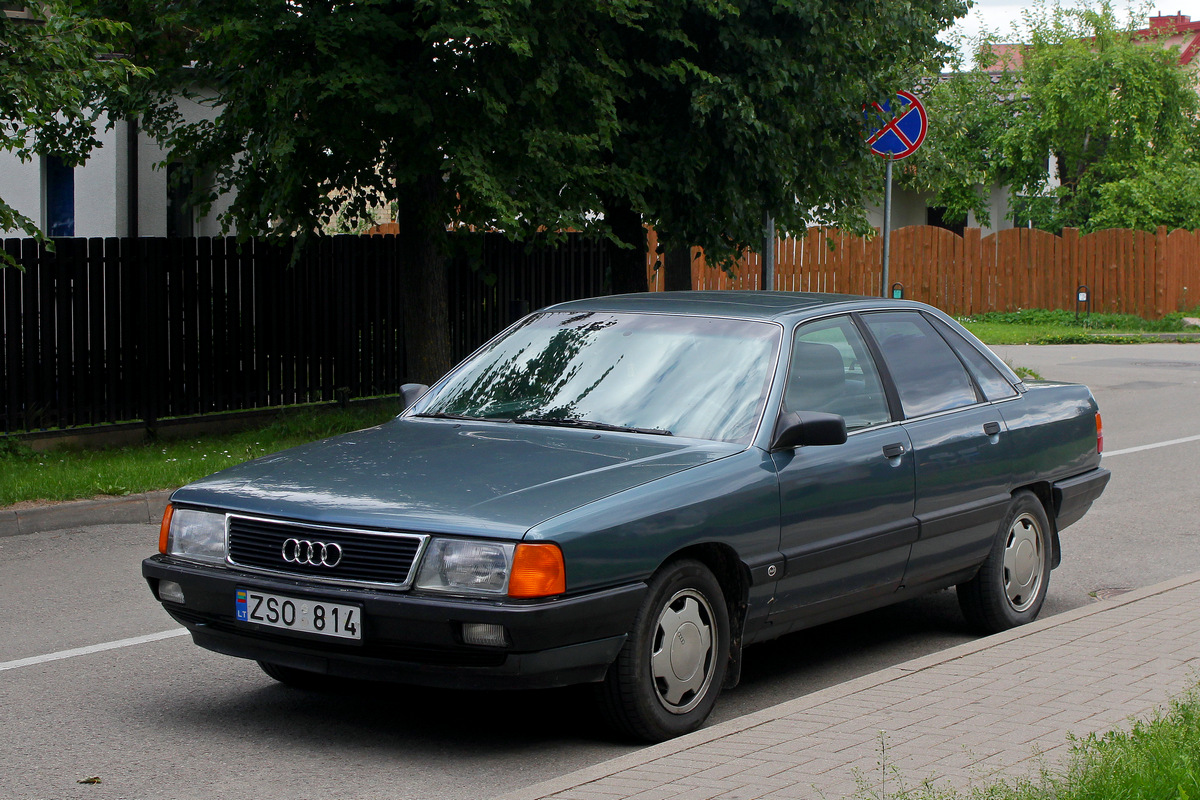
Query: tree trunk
<point x="677" y="269"/>
<point x="628" y="264"/>
<point x="426" y="297"/>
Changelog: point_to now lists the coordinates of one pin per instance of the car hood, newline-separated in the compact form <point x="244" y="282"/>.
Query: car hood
<point x="493" y="479"/>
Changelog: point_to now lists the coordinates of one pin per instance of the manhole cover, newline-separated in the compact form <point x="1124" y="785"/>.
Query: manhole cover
<point x="1108" y="594"/>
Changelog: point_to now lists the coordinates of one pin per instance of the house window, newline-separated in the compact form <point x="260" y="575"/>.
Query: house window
<point x="180" y="222"/>
<point x="936" y="216"/>
<point x="60" y="197"/>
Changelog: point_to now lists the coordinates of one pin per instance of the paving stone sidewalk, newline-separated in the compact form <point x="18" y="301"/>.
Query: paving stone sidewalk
<point x="1001" y="706"/>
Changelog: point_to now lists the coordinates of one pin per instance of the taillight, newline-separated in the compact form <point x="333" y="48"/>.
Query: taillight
<point x="1099" y="435"/>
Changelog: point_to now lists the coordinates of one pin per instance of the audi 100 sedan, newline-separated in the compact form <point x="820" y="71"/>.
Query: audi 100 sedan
<point x="628" y="490"/>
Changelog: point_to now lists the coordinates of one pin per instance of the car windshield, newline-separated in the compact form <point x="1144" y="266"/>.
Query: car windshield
<point x="698" y="377"/>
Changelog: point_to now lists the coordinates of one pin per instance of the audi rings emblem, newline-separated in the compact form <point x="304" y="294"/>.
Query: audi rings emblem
<point x="315" y="554"/>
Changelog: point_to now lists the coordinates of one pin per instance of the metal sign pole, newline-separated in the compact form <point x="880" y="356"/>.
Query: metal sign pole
<point x="893" y="139"/>
<point x="887" y="225"/>
<point x="768" y="252"/>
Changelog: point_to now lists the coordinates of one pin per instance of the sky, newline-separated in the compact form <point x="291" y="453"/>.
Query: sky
<point x="999" y="15"/>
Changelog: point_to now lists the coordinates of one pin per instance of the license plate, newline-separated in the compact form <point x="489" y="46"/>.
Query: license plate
<point x="293" y="614"/>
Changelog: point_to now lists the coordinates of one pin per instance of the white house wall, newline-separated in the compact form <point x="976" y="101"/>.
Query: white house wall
<point x="21" y="185"/>
<point x="97" y="192"/>
<point x="998" y="209"/>
<point x="908" y="208"/>
<point x="101" y="185"/>
<point x="152" y="183"/>
<point x="912" y="208"/>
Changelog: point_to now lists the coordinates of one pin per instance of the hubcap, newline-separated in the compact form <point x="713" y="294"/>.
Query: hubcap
<point x="681" y="659"/>
<point x="1024" y="562"/>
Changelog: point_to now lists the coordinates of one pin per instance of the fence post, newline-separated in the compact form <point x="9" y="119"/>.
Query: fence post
<point x="1161" y="287"/>
<point x="972" y="266"/>
<point x="148" y="332"/>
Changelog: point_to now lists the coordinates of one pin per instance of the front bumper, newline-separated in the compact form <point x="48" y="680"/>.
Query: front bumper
<point x="406" y="637"/>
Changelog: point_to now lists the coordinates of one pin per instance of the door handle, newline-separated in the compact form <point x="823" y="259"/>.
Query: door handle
<point x="991" y="428"/>
<point x="893" y="450"/>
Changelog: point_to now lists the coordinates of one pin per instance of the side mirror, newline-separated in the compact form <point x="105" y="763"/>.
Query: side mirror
<point x="412" y="392"/>
<point x="808" y="428"/>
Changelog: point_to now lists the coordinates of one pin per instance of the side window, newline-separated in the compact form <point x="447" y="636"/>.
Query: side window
<point x="180" y="220"/>
<point x="994" y="385"/>
<point x="60" y="196"/>
<point x="832" y="371"/>
<point x="928" y="376"/>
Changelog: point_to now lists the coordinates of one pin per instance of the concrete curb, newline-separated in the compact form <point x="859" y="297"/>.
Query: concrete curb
<point x="733" y="727"/>
<point x="146" y="507"/>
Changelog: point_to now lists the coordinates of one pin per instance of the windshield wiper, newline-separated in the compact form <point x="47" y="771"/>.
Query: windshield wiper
<point x="587" y="423"/>
<point x="450" y="415"/>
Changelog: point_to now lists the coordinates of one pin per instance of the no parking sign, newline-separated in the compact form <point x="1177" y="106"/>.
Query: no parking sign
<point x="896" y="127"/>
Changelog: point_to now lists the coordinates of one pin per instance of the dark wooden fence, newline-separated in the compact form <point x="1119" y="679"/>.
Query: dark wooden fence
<point x="109" y="330"/>
<point x="495" y="285"/>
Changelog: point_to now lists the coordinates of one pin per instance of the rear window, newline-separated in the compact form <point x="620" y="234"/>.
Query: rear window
<point x="928" y="375"/>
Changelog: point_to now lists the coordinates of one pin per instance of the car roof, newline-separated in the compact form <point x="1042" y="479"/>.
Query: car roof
<point x="735" y="304"/>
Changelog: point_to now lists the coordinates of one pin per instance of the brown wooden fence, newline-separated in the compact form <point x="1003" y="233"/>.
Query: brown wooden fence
<point x="1126" y="271"/>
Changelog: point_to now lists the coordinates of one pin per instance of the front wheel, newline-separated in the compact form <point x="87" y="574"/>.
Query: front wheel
<point x="666" y="678"/>
<point x="1011" y="586"/>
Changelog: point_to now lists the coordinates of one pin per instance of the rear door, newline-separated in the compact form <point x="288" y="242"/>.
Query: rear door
<point x="959" y="441"/>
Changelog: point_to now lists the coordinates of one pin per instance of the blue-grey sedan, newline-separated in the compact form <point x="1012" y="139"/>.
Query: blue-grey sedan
<point x="628" y="490"/>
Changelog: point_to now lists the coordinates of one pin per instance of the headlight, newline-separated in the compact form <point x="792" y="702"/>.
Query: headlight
<point x="457" y="565"/>
<point x="462" y="566"/>
<point x="194" y="534"/>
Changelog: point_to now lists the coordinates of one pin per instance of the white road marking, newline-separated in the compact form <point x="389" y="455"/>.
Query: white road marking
<point x="95" y="648"/>
<point x="1140" y="448"/>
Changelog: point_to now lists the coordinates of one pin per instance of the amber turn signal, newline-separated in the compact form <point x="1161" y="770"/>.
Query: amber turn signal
<point x="165" y="529"/>
<point x="1099" y="435"/>
<point x="537" y="571"/>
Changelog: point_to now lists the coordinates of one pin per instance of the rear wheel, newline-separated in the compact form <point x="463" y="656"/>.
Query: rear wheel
<point x="667" y="677"/>
<point x="1011" y="586"/>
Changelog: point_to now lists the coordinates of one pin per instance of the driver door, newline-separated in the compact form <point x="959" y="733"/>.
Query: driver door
<point x="846" y="511"/>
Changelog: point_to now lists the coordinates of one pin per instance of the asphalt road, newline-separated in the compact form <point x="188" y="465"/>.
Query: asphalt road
<point x="163" y="718"/>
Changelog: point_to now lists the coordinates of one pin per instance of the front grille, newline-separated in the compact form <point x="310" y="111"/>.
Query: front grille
<point x="372" y="557"/>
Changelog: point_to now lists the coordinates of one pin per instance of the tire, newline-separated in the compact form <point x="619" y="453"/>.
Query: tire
<point x="666" y="678"/>
<point x="295" y="678"/>
<point x="1011" y="586"/>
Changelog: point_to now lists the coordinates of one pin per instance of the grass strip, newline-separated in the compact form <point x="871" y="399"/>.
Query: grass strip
<point x="1155" y="759"/>
<point x="73" y="473"/>
<point x="1041" y="326"/>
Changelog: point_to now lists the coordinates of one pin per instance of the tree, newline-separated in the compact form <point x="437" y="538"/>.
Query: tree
<point x="1093" y="117"/>
<point x="486" y="113"/>
<point x="54" y="71"/>
<point x="525" y="115"/>
<point x="1157" y="196"/>
<point x="961" y="157"/>
<point x="732" y="110"/>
